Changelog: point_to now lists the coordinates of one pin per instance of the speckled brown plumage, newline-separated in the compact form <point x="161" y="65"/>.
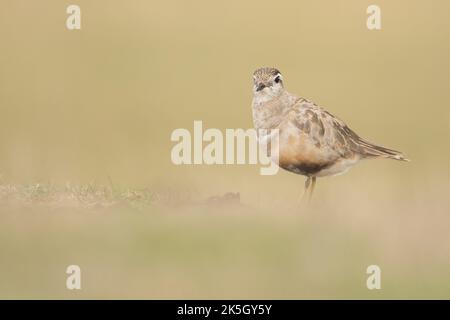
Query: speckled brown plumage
<point x="312" y="142"/>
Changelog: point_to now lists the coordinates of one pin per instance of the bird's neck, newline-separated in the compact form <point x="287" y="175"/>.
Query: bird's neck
<point x="268" y="111"/>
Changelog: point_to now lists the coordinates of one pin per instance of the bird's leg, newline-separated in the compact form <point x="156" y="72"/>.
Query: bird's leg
<point x="307" y="183"/>
<point x="311" y="190"/>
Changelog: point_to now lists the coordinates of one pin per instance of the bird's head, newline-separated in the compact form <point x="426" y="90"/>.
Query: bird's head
<point x="267" y="82"/>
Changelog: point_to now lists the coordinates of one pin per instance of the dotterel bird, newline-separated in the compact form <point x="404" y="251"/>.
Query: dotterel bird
<point x="312" y="142"/>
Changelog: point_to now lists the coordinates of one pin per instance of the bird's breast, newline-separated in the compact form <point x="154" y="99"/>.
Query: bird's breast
<point x="299" y="154"/>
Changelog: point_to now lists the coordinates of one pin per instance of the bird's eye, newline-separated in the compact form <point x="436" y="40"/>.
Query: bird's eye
<point x="278" y="79"/>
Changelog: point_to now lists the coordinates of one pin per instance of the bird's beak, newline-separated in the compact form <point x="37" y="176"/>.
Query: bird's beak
<point x="260" y="87"/>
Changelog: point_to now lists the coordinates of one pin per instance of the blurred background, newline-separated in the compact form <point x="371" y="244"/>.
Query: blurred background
<point x="97" y="106"/>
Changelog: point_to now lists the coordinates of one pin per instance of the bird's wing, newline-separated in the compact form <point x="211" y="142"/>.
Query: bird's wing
<point x="326" y="130"/>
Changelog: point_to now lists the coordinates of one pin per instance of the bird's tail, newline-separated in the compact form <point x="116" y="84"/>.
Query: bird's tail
<point x="371" y="150"/>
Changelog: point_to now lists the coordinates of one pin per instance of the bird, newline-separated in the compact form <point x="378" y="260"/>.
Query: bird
<point x="311" y="141"/>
